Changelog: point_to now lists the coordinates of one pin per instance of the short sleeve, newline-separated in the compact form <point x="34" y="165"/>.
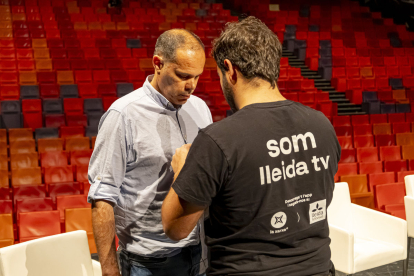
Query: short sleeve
<point x="204" y="172"/>
<point x="108" y="161"/>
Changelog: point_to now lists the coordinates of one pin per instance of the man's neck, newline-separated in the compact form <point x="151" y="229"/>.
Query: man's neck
<point x="262" y="94"/>
<point x="154" y="84"/>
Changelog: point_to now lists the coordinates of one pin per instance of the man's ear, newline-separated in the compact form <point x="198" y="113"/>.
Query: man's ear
<point x="158" y="63"/>
<point x="231" y="72"/>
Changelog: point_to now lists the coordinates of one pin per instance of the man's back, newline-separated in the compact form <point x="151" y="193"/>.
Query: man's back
<point x="269" y="200"/>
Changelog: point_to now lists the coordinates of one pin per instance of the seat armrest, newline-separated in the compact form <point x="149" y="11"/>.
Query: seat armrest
<point x="342" y="249"/>
<point x="97" y="270"/>
<point x="409" y="212"/>
<point x="374" y="225"/>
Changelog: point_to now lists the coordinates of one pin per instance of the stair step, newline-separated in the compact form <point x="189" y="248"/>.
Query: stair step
<point x="344" y="106"/>
<point x="310" y="74"/>
<point x="351" y="113"/>
<point x="333" y="96"/>
<point x="326" y="89"/>
<point x="340" y="101"/>
<point x="348" y="105"/>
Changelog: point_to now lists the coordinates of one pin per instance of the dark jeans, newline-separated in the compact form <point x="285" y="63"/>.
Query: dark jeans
<point x="186" y="263"/>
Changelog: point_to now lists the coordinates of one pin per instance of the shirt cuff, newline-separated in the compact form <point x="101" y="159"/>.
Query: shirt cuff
<point x="103" y="191"/>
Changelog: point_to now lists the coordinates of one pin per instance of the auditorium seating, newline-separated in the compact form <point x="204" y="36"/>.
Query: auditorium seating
<point x="62" y="64"/>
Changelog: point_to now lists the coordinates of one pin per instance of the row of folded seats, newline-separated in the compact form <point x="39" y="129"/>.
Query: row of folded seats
<point x="31" y="218"/>
<point x="354" y="54"/>
<point x="377" y="152"/>
<point x="43" y="186"/>
<point x="81" y="54"/>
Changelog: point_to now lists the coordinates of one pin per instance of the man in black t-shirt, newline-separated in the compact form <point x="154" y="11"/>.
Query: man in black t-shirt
<point x="266" y="173"/>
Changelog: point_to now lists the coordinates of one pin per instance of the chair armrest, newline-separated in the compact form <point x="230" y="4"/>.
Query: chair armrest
<point x="370" y="224"/>
<point x="409" y="212"/>
<point x="97" y="271"/>
<point x="342" y="249"/>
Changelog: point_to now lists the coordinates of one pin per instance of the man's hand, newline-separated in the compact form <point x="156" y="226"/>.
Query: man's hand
<point x="179" y="157"/>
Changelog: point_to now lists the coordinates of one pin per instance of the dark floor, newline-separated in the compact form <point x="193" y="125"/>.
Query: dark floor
<point x="393" y="269"/>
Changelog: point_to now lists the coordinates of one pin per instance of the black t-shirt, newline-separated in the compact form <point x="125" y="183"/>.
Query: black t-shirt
<point x="267" y="173"/>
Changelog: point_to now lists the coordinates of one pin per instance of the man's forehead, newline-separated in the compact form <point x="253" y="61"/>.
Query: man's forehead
<point x="190" y="59"/>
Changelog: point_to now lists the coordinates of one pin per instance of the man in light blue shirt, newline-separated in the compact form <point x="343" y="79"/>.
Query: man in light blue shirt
<point x="130" y="169"/>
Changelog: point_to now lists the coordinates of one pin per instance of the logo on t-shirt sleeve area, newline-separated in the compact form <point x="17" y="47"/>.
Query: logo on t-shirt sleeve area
<point x="317" y="211"/>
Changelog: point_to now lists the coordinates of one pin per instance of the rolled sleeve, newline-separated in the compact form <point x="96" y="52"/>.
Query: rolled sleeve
<point x="108" y="161"/>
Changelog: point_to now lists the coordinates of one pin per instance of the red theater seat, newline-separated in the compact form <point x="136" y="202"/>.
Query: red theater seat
<point x="77" y="143"/>
<point x="53" y="159"/>
<point x="341" y="121"/>
<point x="49" y="144"/>
<point x="348" y="156"/>
<point x="71" y="202"/>
<point x="360" y="130"/>
<point x="395" y="166"/>
<point x="343" y="130"/>
<point x="29" y="191"/>
<point x="25" y="205"/>
<point x="382" y="140"/>
<point x="346" y="169"/>
<point x="72" y="132"/>
<point x="58" y="174"/>
<point x="378" y="118"/>
<point x="26" y="176"/>
<point x="345" y="142"/>
<point x="390" y="194"/>
<point x="6" y="206"/>
<point x="64" y="189"/>
<point x="370" y="167"/>
<point x="380" y="178"/>
<point x="35" y="225"/>
<point x="401" y="175"/>
<point x="390" y="153"/>
<point x="24" y="160"/>
<point x="367" y="154"/>
<point x="80" y="158"/>
<point x="6" y="230"/>
<point x="82" y="174"/>
<point x="363" y="141"/>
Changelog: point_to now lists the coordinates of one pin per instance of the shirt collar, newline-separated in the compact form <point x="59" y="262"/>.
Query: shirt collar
<point x="157" y="96"/>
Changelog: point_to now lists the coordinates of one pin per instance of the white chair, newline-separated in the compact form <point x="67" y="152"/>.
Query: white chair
<point x="409" y="210"/>
<point x="362" y="238"/>
<point x="64" y="255"/>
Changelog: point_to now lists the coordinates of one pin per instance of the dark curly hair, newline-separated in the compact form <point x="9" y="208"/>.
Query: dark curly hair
<point x="250" y="46"/>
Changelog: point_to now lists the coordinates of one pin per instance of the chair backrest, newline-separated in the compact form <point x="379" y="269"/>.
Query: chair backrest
<point x="64" y="255"/>
<point x="34" y="225"/>
<point x="339" y="210"/>
<point x="388" y="194"/>
<point x="409" y="185"/>
<point x="6" y="231"/>
<point x="78" y="219"/>
<point x="70" y="202"/>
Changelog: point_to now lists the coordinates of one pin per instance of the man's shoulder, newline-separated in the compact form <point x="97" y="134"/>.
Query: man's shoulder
<point x="130" y="99"/>
<point x="197" y="102"/>
<point x="217" y="129"/>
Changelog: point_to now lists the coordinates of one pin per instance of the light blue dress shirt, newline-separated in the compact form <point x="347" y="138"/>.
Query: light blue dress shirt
<point x="131" y="165"/>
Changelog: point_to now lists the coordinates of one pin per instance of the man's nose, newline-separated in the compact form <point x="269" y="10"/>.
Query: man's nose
<point x="190" y="85"/>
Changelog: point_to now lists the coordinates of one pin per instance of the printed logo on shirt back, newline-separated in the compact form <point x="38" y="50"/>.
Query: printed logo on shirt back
<point x="278" y="220"/>
<point x="317" y="211"/>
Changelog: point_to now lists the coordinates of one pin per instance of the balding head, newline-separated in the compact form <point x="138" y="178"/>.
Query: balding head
<point x="170" y="41"/>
